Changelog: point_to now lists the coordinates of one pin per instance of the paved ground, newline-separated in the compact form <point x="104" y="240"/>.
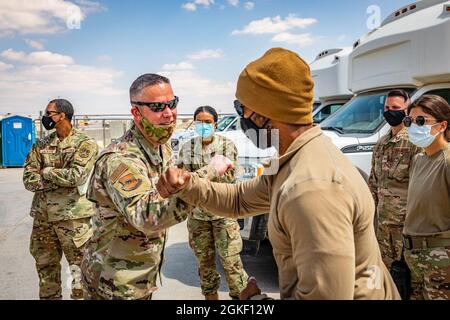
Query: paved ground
<point x="18" y="277"/>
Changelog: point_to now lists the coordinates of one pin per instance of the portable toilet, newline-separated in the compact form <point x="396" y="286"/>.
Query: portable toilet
<point x="17" y="136"/>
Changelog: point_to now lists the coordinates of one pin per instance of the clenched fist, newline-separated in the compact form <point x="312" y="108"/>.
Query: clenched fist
<point x="221" y="164"/>
<point x="172" y="181"/>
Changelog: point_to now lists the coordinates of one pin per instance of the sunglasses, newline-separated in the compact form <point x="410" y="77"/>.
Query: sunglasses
<point x="420" y="121"/>
<point x="51" y="113"/>
<point x="239" y="108"/>
<point x="158" y="106"/>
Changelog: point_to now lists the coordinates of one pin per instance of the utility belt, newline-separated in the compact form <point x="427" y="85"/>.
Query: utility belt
<point x="425" y="242"/>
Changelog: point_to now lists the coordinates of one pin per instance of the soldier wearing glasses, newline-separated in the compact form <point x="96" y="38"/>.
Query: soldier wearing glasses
<point x="427" y="224"/>
<point x="55" y="169"/>
<point x="125" y="254"/>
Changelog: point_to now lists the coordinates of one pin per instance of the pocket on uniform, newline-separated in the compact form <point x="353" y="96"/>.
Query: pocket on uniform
<point x="82" y="232"/>
<point x="234" y="240"/>
<point x="400" y="170"/>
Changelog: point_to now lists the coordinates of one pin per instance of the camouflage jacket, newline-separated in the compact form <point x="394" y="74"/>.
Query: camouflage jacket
<point x="54" y="170"/>
<point x="125" y="254"/>
<point x="389" y="177"/>
<point x="194" y="156"/>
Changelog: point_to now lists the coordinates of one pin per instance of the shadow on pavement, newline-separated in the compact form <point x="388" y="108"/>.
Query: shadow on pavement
<point x="180" y="264"/>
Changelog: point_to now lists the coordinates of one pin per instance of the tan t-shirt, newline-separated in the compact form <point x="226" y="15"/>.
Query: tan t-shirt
<point x="428" y="208"/>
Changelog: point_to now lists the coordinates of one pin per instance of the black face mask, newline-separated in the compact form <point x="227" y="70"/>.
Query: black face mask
<point x="394" y="117"/>
<point x="48" y="123"/>
<point x="251" y="130"/>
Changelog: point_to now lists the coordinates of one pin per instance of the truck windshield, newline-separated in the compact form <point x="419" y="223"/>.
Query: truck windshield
<point x="363" y="114"/>
<point x="224" y="123"/>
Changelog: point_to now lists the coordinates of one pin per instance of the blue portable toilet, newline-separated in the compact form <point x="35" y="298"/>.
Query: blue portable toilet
<point x="17" y="137"/>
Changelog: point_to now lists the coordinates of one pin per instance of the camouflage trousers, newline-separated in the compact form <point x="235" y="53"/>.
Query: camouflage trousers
<point x="430" y="273"/>
<point x="391" y="243"/>
<point x="49" y="240"/>
<point x="89" y="294"/>
<point x="223" y="234"/>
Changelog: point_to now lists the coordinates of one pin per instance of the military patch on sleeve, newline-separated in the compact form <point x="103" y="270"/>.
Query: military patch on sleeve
<point x="84" y="153"/>
<point x="129" y="182"/>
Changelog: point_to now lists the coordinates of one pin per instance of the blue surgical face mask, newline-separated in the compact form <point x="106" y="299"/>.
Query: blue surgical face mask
<point x="204" y="130"/>
<point x="421" y="135"/>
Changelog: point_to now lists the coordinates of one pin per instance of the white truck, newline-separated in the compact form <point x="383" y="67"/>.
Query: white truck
<point x="411" y="51"/>
<point x="330" y="74"/>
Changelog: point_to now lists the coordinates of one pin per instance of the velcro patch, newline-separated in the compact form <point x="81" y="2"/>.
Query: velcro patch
<point x="118" y="172"/>
<point x="84" y="152"/>
<point x="69" y="150"/>
<point x="47" y="151"/>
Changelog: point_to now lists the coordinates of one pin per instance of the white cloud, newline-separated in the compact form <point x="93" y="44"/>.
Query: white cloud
<point x="35" y="44"/>
<point x="195" y="90"/>
<point x="192" y="6"/>
<point x="249" y="5"/>
<point x="189" y="6"/>
<point x="275" y="25"/>
<point x="206" y="54"/>
<point x="37" y="57"/>
<point x="5" y="66"/>
<point x="178" y="66"/>
<point x="301" y="40"/>
<point x="36" y="78"/>
<point x="104" y="58"/>
<point x="88" y="7"/>
<point x="233" y="3"/>
<point x="42" y="16"/>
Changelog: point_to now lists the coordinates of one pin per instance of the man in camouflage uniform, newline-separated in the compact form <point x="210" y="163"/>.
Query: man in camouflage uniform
<point x="208" y="231"/>
<point x="55" y="170"/>
<point x="389" y="178"/>
<point x="125" y="254"/>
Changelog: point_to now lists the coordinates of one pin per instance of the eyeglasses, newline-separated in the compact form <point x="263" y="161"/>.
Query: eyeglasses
<point x="51" y="113"/>
<point x="254" y="117"/>
<point x="158" y="106"/>
<point x="420" y="121"/>
<point x="239" y="108"/>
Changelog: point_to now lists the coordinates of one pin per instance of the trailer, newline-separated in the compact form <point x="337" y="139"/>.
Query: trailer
<point x="410" y="51"/>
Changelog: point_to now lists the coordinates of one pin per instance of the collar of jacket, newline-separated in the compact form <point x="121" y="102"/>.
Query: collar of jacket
<point x="208" y="149"/>
<point x="401" y="135"/>
<point x="299" y="143"/>
<point x="55" y="142"/>
<point x="148" y="148"/>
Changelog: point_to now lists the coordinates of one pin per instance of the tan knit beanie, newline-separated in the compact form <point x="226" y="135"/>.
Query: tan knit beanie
<point x="278" y="86"/>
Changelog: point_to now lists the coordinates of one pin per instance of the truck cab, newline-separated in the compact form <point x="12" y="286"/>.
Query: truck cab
<point x="329" y="72"/>
<point x="408" y="51"/>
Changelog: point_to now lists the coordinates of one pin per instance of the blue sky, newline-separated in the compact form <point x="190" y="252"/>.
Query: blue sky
<point x="44" y="55"/>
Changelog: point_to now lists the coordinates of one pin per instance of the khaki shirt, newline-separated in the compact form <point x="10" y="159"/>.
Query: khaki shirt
<point x="428" y="210"/>
<point x="54" y="170"/>
<point x="389" y="177"/>
<point x="320" y="221"/>
<point x="124" y="256"/>
<point x="194" y="156"/>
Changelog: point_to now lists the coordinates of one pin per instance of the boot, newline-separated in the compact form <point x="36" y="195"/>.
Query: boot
<point x="213" y="296"/>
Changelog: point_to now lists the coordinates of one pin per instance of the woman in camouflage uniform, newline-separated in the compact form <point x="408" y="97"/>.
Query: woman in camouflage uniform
<point x="208" y="232"/>
<point x="427" y="225"/>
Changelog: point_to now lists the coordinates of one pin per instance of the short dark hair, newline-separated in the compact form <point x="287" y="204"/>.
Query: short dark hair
<point x="63" y="105"/>
<point x="146" y="80"/>
<point x="398" y="93"/>
<point x="435" y="106"/>
<point x="207" y="109"/>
